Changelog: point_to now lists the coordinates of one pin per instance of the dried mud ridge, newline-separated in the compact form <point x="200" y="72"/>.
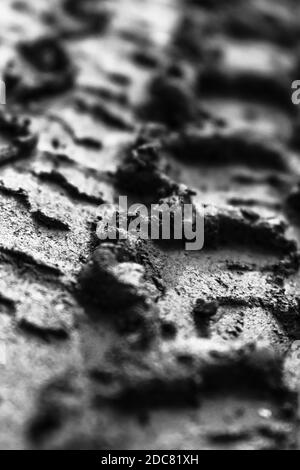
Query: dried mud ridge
<point x="141" y="345"/>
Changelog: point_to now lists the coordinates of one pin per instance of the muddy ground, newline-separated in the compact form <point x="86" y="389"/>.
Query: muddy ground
<point x="134" y="344"/>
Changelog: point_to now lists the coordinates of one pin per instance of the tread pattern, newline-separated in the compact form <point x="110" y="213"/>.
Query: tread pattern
<point x="135" y="345"/>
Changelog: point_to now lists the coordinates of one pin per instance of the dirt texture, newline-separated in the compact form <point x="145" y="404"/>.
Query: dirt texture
<point x="134" y="344"/>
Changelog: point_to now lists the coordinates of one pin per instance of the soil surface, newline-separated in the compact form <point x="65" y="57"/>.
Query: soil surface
<point x="143" y="345"/>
